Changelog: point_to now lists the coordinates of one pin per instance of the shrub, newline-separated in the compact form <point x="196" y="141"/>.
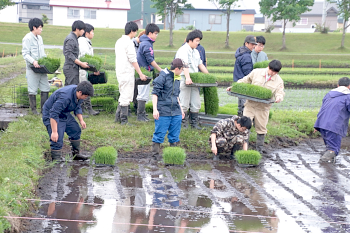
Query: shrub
<point x="248" y="157"/>
<point x="107" y="104"/>
<point x="251" y="90"/>
<point x="261" y="64"/>
<point x="52" y="64"/>
<point x="202" y="78"/>
<point x="106" y="90"/>
<point x="92" y="60"/>
<point x="105" y="155"/>
<point x="174" y="155"/>
<point x="321" y="28"/>
<point x="269" y="28"/>
<point x="211" y="100"/>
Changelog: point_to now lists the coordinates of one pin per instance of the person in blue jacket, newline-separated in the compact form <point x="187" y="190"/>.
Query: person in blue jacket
<point x="58" y="119"/>
<point x="145" y="58"/>
<point x="333" y="118"/>
<point x="167" y="110"/>
<point x="243" y="65"/>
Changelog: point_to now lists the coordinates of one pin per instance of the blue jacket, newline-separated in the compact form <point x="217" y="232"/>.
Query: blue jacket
<point x="201" y="51"/>
<point x="60" y="104"/>
<point x="243" y="64"/>
<point x="334" y="113"/>
<point x="167" y="89"/>
<point x="145" y="53"/>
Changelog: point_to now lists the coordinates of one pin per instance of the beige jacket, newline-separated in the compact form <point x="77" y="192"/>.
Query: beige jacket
<point x="125" y="55"/>
<point x="275" y="84"/>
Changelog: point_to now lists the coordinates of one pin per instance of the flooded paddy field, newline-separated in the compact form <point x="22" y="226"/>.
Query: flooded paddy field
<point x="289" y="192"/>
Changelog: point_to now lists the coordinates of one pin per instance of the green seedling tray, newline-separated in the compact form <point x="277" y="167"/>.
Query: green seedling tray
<point x="91" y="68"/>
<point x="138" y="81"/>
<point x="41" y="70"/>
<point x="202" y="85"/>
<point x="266" y="101"/>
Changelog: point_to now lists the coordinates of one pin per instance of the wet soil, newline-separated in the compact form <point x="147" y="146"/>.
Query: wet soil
<point x="289" y="192"/>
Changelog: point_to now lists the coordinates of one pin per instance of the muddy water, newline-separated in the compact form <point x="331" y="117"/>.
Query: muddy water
<point x="291" y="192"/>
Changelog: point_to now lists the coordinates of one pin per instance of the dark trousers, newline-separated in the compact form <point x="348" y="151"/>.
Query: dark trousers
<point x="70" y="126"/>
<point x="72" y="75"/>
<point x="241" y="103"/>
<point x="331" y="140"/>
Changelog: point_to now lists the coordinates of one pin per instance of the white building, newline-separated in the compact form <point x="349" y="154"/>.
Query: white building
<point x="9" y="14"/>
<point x="99" y="13"/>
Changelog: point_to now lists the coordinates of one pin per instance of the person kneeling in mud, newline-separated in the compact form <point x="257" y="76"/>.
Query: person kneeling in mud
<point x="229" y="135"/>
<point x="58" y="119"/>
<point x="333" y="119"/>
<point x="167" y="110"/>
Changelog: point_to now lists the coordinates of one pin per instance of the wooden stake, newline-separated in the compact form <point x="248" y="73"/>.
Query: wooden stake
<point x="16" y="52"/>
<point x="320" y="65"/>
<point x="293" y="64"/>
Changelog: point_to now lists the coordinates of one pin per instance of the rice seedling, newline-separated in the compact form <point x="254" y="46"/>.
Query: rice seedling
<point x="251" y="90"/>
<point x="248" y="157"/>
<point x="262" y="64"/>
<point x="106" y="90"/>
<point x="51" y="64"/>
<point x="107" y="104"/>
<point x="202" y="78"/>
<point x="211" y="100"/>
<point x="105" y="155"/>
<point x="145" y="72"/>
<point x="174" y="155"/>
<point x="92" y="60"/>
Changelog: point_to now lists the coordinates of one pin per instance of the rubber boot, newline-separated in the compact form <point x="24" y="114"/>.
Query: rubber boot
<point x="329" y="157"/>
<point x="194" y="120"/>
<point x="260" y="143"/>
<point x="75" y="145"/>
<point x="129" y="111"/>
<point x="56" y="155"/>
<point x="216" y="158"/>
<point x="184" y="122"/>
<point x="235" y="148"/>
<point x="88" y="107"/>
<point x="117" y="114"/>
<point x="43" y="97"/>
<point x="32" y="103"/>
<point x="155" y="151"/>
<point x="135" y="107"/>
<point x="141" y="113"/>
<point x="124" y="115"/>
<point x="173" y="144"/>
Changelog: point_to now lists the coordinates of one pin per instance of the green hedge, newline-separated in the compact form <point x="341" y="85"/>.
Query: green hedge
<point x="262" y="64"/>
<point x="174" y="155"/>
<point x="92" y="60"/>
<point x="248" y="157"/>
<point x="105" y="155"/>
<point x="52" y="64"/>
<point x="107" y="104"/>
<point x="106" y="90"/>
<point x="251" y="90"/>
<point x="22" y="97"/>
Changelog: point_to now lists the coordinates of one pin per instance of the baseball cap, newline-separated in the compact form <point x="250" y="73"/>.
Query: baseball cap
<point x="178" y="63"/>
<point x="250" y="39"/>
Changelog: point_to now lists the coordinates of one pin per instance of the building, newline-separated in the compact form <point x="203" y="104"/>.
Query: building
<point x="142" y="13"/>
<point x="247" y="20"/>
<point x="99" y="13"/>
<point x="259" y="24"/>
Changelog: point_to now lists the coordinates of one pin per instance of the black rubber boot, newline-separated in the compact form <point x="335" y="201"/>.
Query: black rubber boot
<point x="56" y="155"/>
<point x="124" y="115"/>
<point x="117" y="114"/>
<point x="43" y="97"/>
<point x="216" y="158"/>
<point x="184" y="122"/>
<point x="174" y="144"/>
<point x="260" y="143"/>
<point x="141" y="113"/>
<point x="32" y="103"/>
<point x="195" y="120"/>
<point x="75" y="144"/>
<point x="235" y="148"/>
<point x="88" y="107"/>
<point x="129" y="111"/>
<point x="155" y="151"/>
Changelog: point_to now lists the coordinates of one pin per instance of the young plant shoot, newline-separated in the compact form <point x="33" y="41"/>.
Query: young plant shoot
<point x="105" y="155"/>
<point x="174" y="155"/>
<point x="251" y="90"/>
<point x="248" y="157"/>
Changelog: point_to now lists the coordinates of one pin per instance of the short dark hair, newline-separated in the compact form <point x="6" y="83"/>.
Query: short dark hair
<point x="275" y="65"/>
<point x="261" y="40"/>
<point x="78" y="24"/>
<point x="88" y="28"/>
<point x="86" y="88"/>
<point x="344" y="81"/>
<point x="193" y="35"/>
<point x="35" y="22"/>
<point x="130" y="27"/>
<point x="200" y="32"/>
<point x="152" y="28"/>
<point x="245" y="122"/>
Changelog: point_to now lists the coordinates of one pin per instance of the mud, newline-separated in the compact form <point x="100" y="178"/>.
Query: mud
<point x="289" y="192"/>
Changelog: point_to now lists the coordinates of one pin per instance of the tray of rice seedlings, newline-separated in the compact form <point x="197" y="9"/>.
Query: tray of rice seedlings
<point x="261" y="64"/>
<point x="149" y="75"/>
<point x="202" y="80"/>
<point x="248" y="158"/>
<point x="107" y="104"/>
<point x="94" y="62"/>
<point x="106" y="90"/>
<point x="22" y="98"/>
<point x="251" y="92"/>
<point x="174" y="155"/>
<point x="211" y="100"/>
<point x="47" y="65"/>
<point x="105" y="156"/>
<point x="98" y="79"/>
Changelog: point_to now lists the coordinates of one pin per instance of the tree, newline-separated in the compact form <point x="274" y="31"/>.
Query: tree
<point x="285" y="10"/>
<point x="227" y="6"/>
<point x="344" y="12"/>
<point x="170" y="9"/>
<point x="5" y="3"/>
<point x="45" y="19"/>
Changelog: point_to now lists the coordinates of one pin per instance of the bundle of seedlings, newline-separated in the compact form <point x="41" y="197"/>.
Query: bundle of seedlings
<point x="251" y="157"/>
<point x="51" y="64"/>
<point x="202" y="78"/>
<point x="105" y="155"/>
<point x="107" y="104"/>
<point x="251" y="90"/>
<point x="94" y="62"/>
<point x="106" y="90"/>
<point x="174" y="155"/>
<point x="149" y="75"/>
<point x="261" y="64"/>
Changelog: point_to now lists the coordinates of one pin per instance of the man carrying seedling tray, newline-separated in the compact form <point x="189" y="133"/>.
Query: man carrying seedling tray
<point x="257" y="111"/>
<point x="32" y="50"/>
<point x="58" y="119"/>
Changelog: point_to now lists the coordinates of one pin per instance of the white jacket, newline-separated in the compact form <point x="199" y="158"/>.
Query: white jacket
<point x="125" y="55"/>
<point x="85" y="47"/>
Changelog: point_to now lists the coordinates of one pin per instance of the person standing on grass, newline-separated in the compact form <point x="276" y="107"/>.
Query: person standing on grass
<point x="167" y="111"/>
<point x="58" y="119"/>
<point x="257" y="111"/>
<point x="85" y="48"/>
<point x="71" y="54"/>
<point x="243" y="65"/>
<point x="229" y="135"/>
<point x="125" y="66"/>
<point x="32" y="51"/>
<point x="333" y="119"/>
<point x="145" y="58"/>
<point x="257" y="54"/>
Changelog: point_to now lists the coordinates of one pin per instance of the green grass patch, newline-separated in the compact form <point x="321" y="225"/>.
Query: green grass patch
<point x="105" y="155"/>
<point x="92" y="60"/>
<point x="52" y="64"/>
<point x="262" y="64"/>
<point x="174" y="155"/>
<point x="248" y="157"/>
<point x="22" y="97"/>
<point x="251" y="90"/>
